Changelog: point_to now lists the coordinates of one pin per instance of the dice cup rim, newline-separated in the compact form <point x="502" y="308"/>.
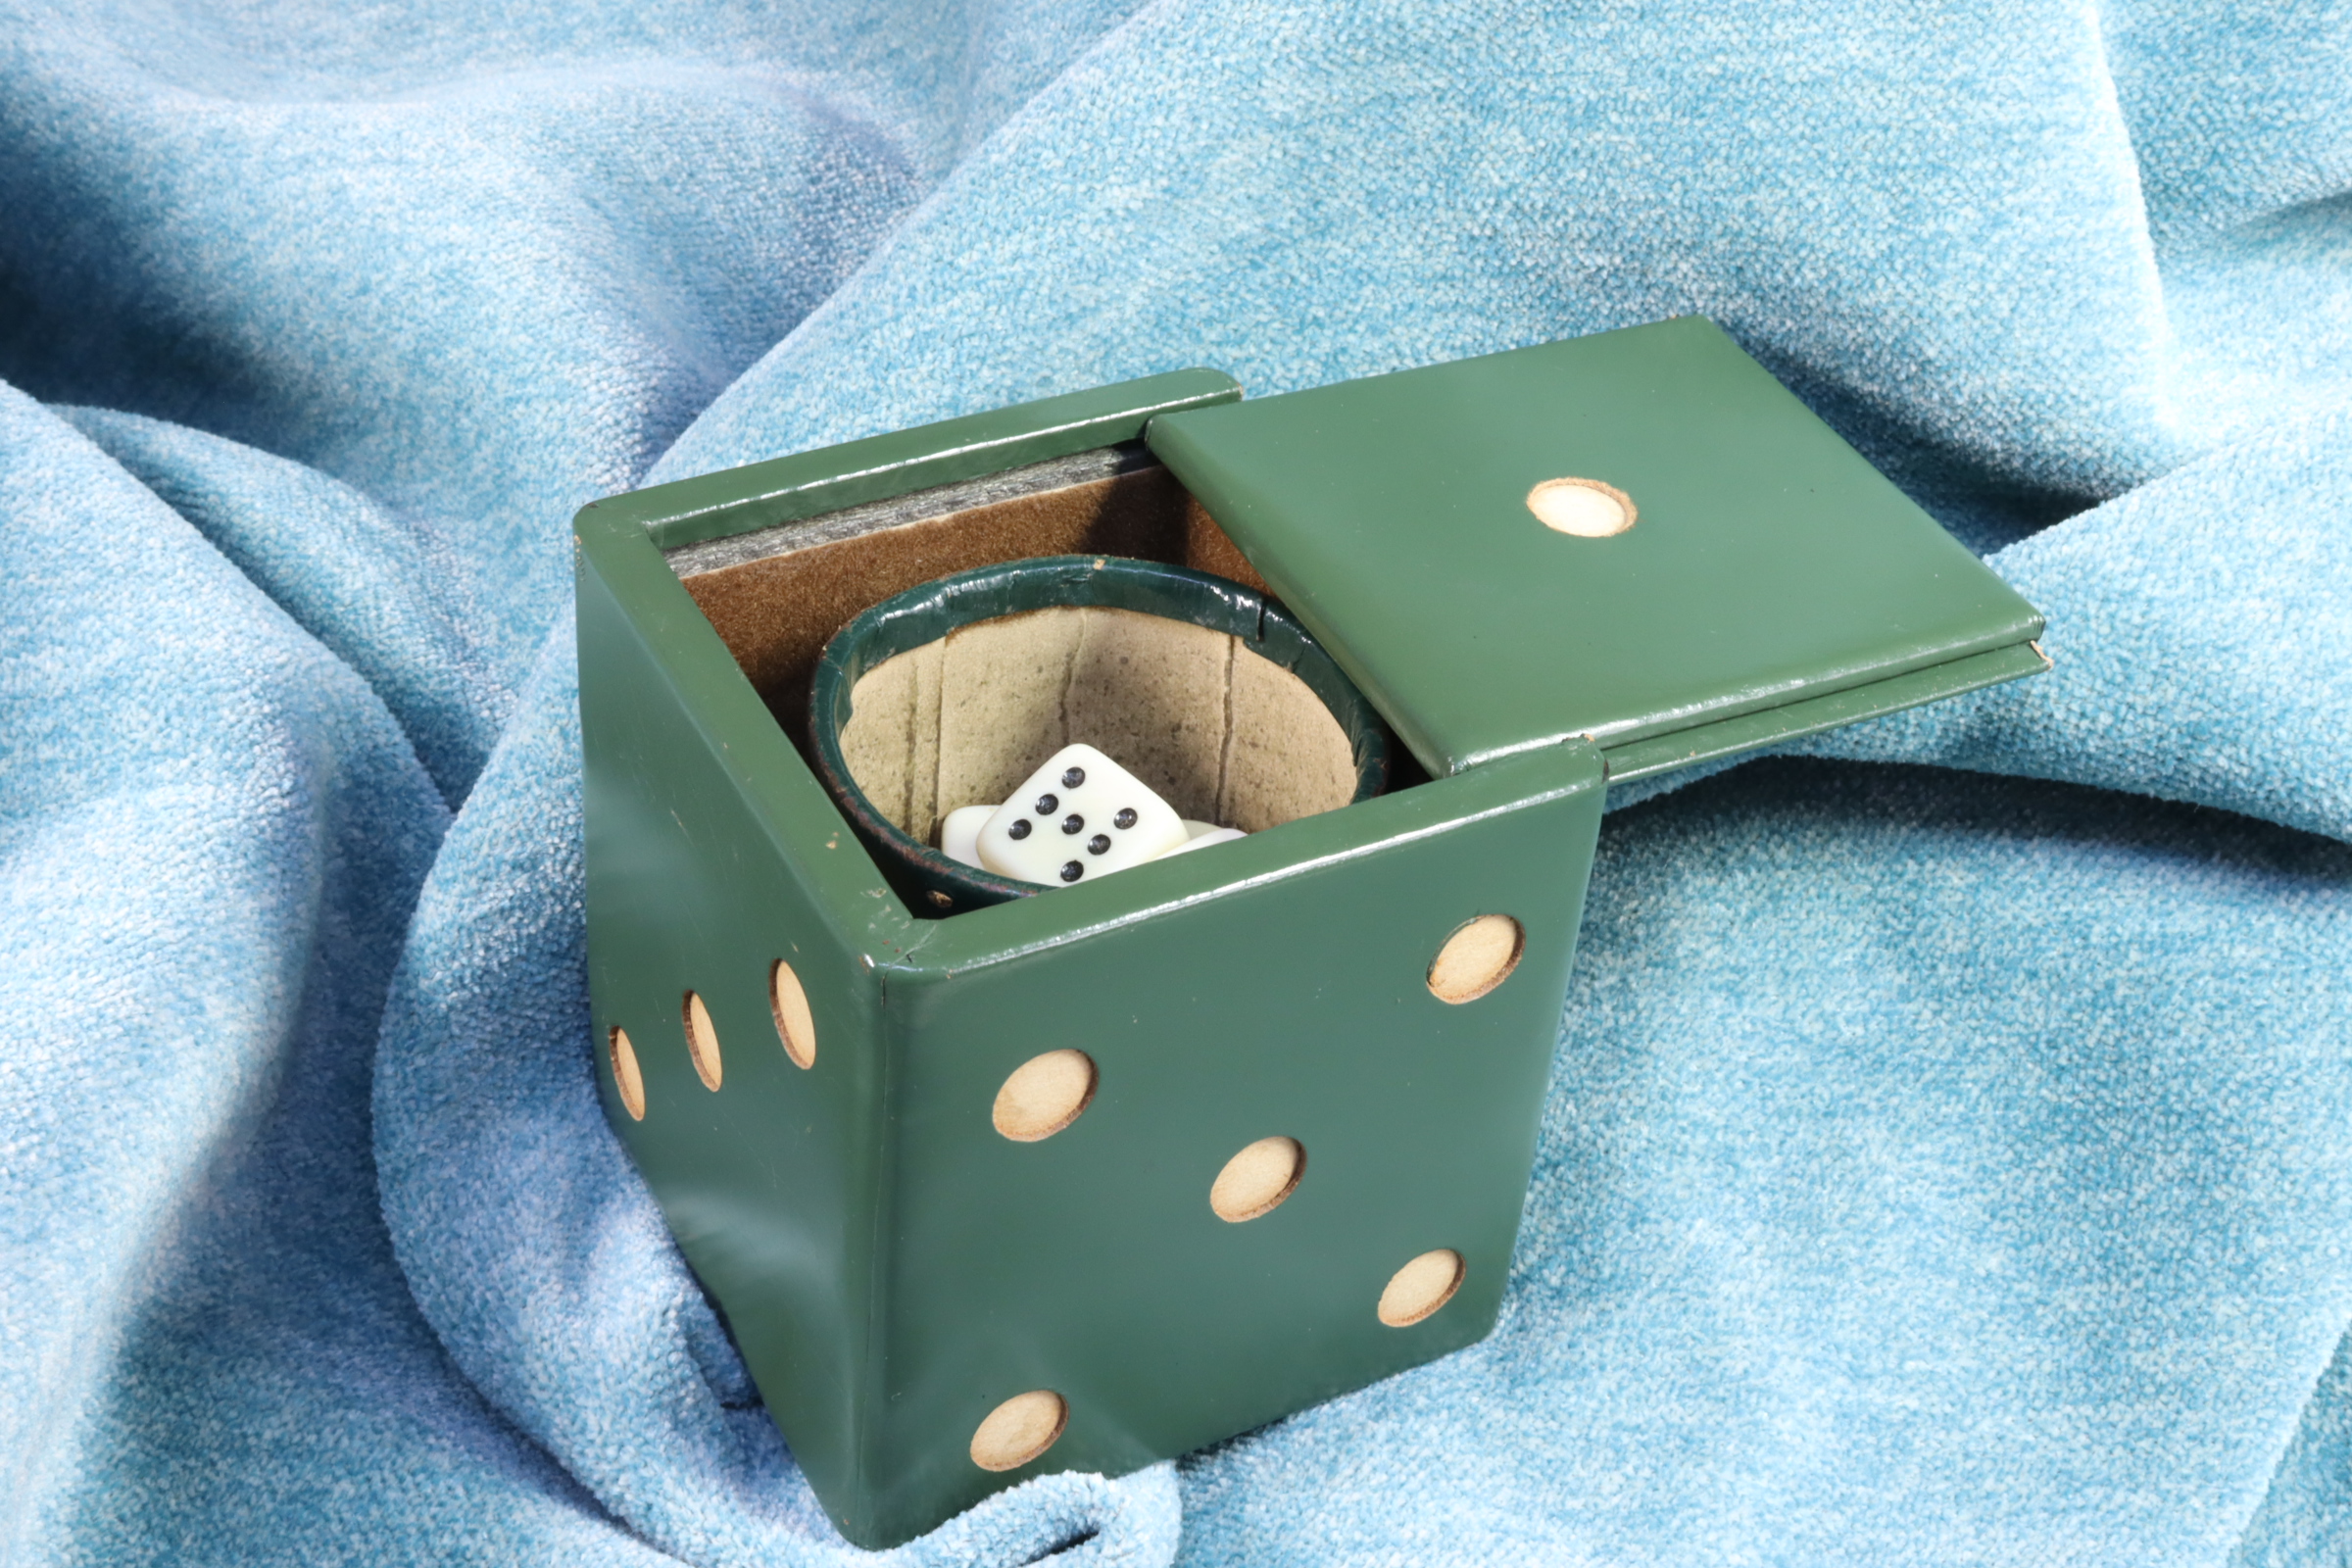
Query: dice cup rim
<point x="921" y="615"/>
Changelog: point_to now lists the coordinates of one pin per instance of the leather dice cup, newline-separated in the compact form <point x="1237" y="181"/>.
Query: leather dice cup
<point x="944" y="719"/>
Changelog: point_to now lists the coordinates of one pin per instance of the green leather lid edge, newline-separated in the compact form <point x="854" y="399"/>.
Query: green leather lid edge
<point x="1811" y="715"/>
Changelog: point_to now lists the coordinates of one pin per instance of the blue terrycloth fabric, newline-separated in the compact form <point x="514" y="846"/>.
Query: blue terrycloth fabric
<point x="1948" y="1158"/>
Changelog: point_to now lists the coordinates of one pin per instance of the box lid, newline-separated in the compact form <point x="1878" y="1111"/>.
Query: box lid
<point x="1413" y="523"/>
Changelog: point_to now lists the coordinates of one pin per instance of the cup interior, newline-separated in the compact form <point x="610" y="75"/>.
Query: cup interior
<point x="956" y="692"/>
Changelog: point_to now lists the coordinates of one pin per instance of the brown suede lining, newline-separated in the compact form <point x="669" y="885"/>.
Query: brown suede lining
<point x="776" y="613"/>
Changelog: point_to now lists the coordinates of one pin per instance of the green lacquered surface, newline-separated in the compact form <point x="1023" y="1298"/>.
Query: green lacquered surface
<point x="711" y="853"/>
<point x="1276" y="985"/>
<point x="1770" y="564"/>
<point x="761" y="495"/>
<point x="891" y="1268"/>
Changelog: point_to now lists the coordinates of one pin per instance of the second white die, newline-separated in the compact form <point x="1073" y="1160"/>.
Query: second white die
<point x="1080" y="816"/>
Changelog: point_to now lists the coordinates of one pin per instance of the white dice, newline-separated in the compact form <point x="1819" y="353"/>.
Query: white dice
<point x="960" y="833"/>
<point x="1080" y="816"/>
<point x="1208" y="840"/>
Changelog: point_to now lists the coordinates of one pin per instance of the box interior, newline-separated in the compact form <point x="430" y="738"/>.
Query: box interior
<point x="1226" y="736"/>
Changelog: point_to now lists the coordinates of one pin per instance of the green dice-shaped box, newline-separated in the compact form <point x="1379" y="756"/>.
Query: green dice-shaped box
<point x="1092" y="1178"/>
